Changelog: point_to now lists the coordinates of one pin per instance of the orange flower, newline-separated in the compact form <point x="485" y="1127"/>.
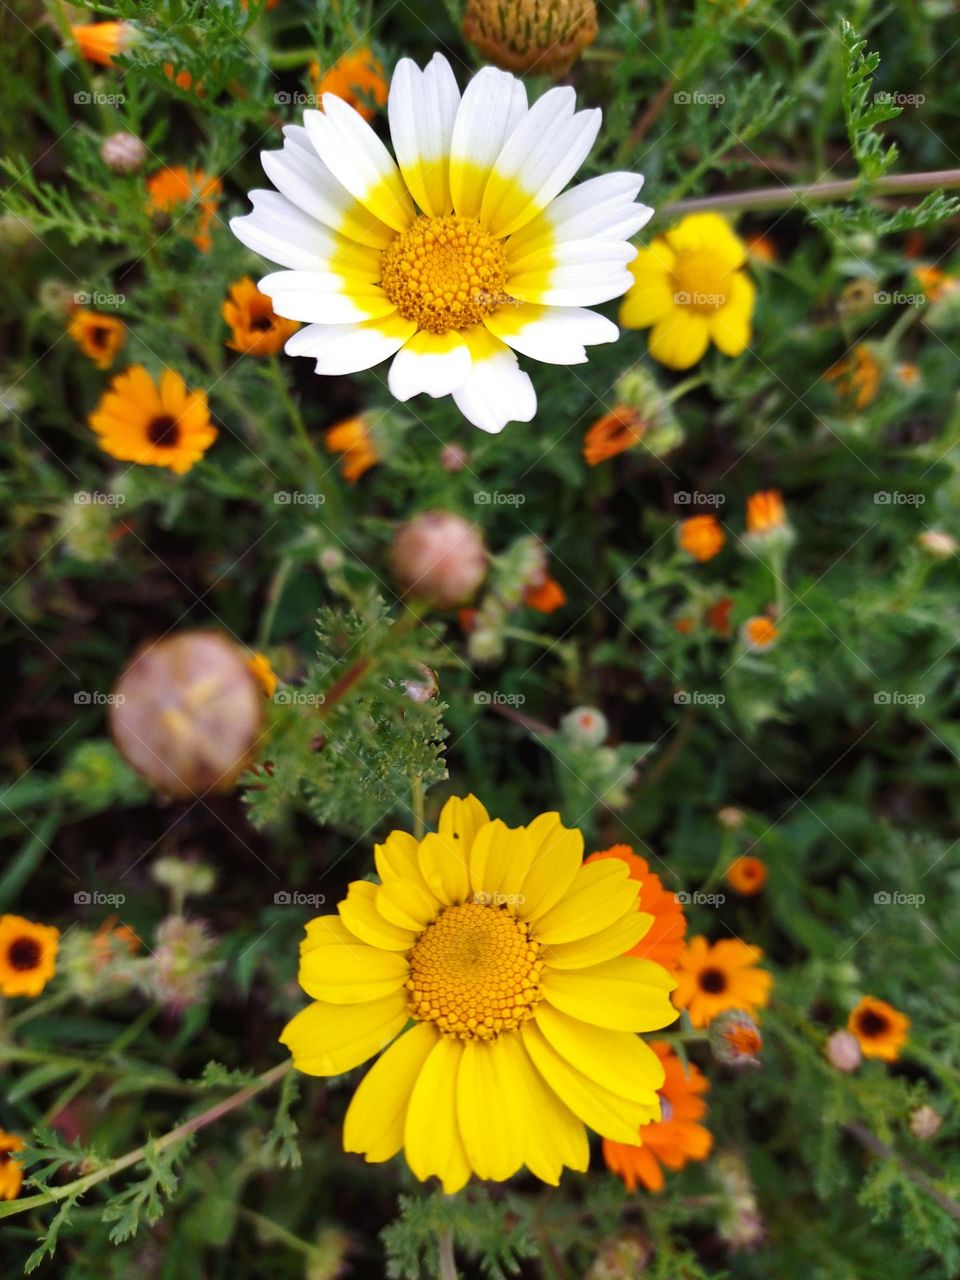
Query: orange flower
<point x="255" y="328"/>
<point x="100" y="42"/>
<point x="259" y="664"/>
<point x="720" y="976"/>
<point x="182" y="79"/>
<point x="111" y="940"/>
<point x="357" y="77"/>
<point x="99" y="337"/>
<point x="683" y="625"/>
<point x="663" y="941"/>
<point x="857" y="378"/>
<point x="154" y="425"/>
<point x="28" y="956"/>
<point x="759" y="632"/>
<point x="547" y="597"/>
<point x="11" y="1170"/>
<point x="616" y="431"/>
<point x="352" y="438"/>
<point x="675" y="1139"/>
<point x="934" y="282"/>
<point x="701" y="537"/>
<point x="718" y="616"/>
<point x="746" y="875"/>
<point x="880" y="1029"/>
<point x="907" y="374"/>
<point x="168" y="189"/>
<point x="765" y="511"/>
<point x="761" y="248"/>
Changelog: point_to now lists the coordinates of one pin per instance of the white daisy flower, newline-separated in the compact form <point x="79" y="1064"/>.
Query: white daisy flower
<point x="456" y="255"/>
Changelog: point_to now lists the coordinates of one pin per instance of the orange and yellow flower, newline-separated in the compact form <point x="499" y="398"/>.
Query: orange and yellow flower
<point x="702" y="537"/>
<point x="357" y="78"/>
<point x="100" y="42"/>
<point x="880" y="1029"/>
<point x="353" y="439"/>
<point x="546" y="596"/>
<point x="765" y="511"/>
<point x="759" y="632"/>
<point x="935" y="282"/>
<point x="155" y="425"/>
<point x="255" y="328"/>
<point x="857" y="378"/>
<point x="746" y="875"/>
<point x="99" y="337"/>
<point x="11" y="1170"/>
<point x="675" y="1139"/>
<point x="263" y="673"/>
<point x="663" y="942"/>
<point x="169" y="190"/>
<point x="616" y="431"/>
<point x="714" y="977"/>
<point x="28" y="955"/>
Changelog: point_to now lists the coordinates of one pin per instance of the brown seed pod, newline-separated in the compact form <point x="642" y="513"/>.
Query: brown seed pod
<point x="546" y="36"/>
<point x="187" y="712"/>
<point x="439" y="557"/>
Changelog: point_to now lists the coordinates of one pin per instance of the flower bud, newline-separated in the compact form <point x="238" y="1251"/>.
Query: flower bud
<point x="731" y="817"/>
<point x="454" y="458"/>
<point x="439" y="557"/>
<point x="123" y="153"/>
<point x="56" y="297"/>
<point x="735" y="1039"/>
<point x="936" y="543"/>
<point x="639" y="391"/>
<point x="622" y="1258"/>
<point x="182" y="877"/>
<point x="425" y="689"/>
<point x="545" y="36"/>
<point x="187" y="713"/>
<point x="182" y="962"/>
<point x="585" y="727"/>
<point x="739" y="1224"/>
<point x="843" y="1051"/>
<point x="924" y="1122"/>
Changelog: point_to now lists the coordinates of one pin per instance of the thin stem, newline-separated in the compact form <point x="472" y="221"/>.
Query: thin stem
<point x="91" y="1069"/>
<point x="416" y="794"/>
<point x="448" y="1264"/>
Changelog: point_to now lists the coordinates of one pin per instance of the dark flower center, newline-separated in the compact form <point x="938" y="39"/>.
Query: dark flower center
<point x="872" y="1023"/>
<point x="100" y="335"/>
<point x="713" y="981"/>
<point x="262" y="323"/>
<point x="164" y="430"/>
<point x="24" y="953"/>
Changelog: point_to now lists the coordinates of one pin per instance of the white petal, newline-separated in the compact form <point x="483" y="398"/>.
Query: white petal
<point x="538" y="160"/>
<point x="358" y="159"/>
<point x="434" y="363"/>
<point x="422" y="109"/>
<point x="497" y="390"/>
<point x="589" y="272"/>
<point x="601" y="208"/>
<point x="555" y="335"/>
<point x="304" y="179"/>
<point x="324" y="298"/>
<point x="282" y="233"/>
<point x="348" y="348"/>
<point x="494" y="103"/>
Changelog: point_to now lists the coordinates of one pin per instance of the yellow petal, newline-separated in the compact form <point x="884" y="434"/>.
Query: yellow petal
<point x="615" y="1060"/>
<point x="431" y="1135"/>
<point x="352" y="974"/>
<point x="375" y="1119"/>
<point x="679" y="339"/>
<point x="324" y="931"/>
<point x="396" y="857"/>
<point x="492" y="1107"/>
<point x="711" y="232"/>
<point x="359" y="913"/>
<point x="553" y="1137"/>
<point x="730" y="327"/>
<point x="461" y="819"/>
<point x="600" y="893"/>
<point x="409" y="904"/>
<point x="616" y="940"/>
<point x="499" y="861"/>
<point x="556" y="857"/>
<point x="328" y="1039"/>
<point x="626" y="994"/>
<point x="443" y="865"/>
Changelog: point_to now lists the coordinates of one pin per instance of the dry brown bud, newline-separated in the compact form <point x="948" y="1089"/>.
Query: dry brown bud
<point x="546" y="36"/>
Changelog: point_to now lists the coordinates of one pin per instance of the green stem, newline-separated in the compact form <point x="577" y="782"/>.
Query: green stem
<point x="39" y="1008"/>
<point x="11" y="1053"/>
<point x="91" y="1069"/>
<point x="448" y="1264"/>
<point x="277" y="585"/>
<point x="416" y="791"/>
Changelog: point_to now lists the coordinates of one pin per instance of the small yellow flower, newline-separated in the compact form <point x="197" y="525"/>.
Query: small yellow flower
<point x="255" y="328"/>
<point x="28" y="956"/>
<point x="880" y="1029"/>
<point x="702" y="537"/>
<point x="11" y="1170"/>
<point x="99" y="337"/>
<point x="155" y="425"/>
<point x="259" y="665"/>
<point x="690" y="287"/>
<point x="352" y="438"/>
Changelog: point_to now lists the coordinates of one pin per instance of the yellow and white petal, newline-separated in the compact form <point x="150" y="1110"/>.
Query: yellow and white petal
<point x="555" y="1139"/>
<point x="557" y="857"/>
<point x="680" y="338"/>
<point x="587" y="272"/>
<point x="325" y="931"/>
<point x="601" y="208"/>
<point x="499" y="860"/>
<point x="619" y="1062"/>
<point x="323" y="297"/>
<point x="422" y="108"/>
<point x="443" y="864"/>
<point x="282" y="233"/>
<point x="537" y="161"/>
<point x="328" y="1039"/>
<point x="351" y="974"/>
<point x="432" y="1139"/>
<point x="605" y="1112"/>
<point x="359" y="161"/>
<point x="349" y="348"/>
<point x="359" y="914"/>
<point x="434" y="363"/>
<point x="600" y="893"/>
<point x="494" y="103"/>
<point x="623" y="994"/>
<point x="710" y="232"/>
<point x="492" y="1107"/>
<point x="616" y="940"/>
<point x="299" y="174"/>
<point x="374" y="1124"/>
<point x="555" y="335"/>
<point x="461" y="818"/>
<point x="497" y="391"/>
<point x="731" y="327"/>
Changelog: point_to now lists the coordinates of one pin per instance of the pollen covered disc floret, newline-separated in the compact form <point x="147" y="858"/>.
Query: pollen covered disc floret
<point x="455" y="256"/>
<point x="475" y="972"/>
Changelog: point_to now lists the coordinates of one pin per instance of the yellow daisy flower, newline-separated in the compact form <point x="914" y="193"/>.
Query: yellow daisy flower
<point x="490" y="967"/>
<point x="28" y="955"/>
<point x="689" y="285"/>
<point x="456" y="255"/>
<point x="156" y="425"/>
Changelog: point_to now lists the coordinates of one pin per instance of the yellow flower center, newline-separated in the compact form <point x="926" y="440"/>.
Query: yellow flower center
<point x="445" y="273"/>
<point x="475" y="972"/>
<point x="701" y="281"/>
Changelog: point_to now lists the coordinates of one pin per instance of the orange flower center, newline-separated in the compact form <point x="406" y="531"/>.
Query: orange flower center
<point x="701" y="281"/>
<point x="24" y="953"/>
<point x="474" y="972"/>
<point x="445" y="273"/>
